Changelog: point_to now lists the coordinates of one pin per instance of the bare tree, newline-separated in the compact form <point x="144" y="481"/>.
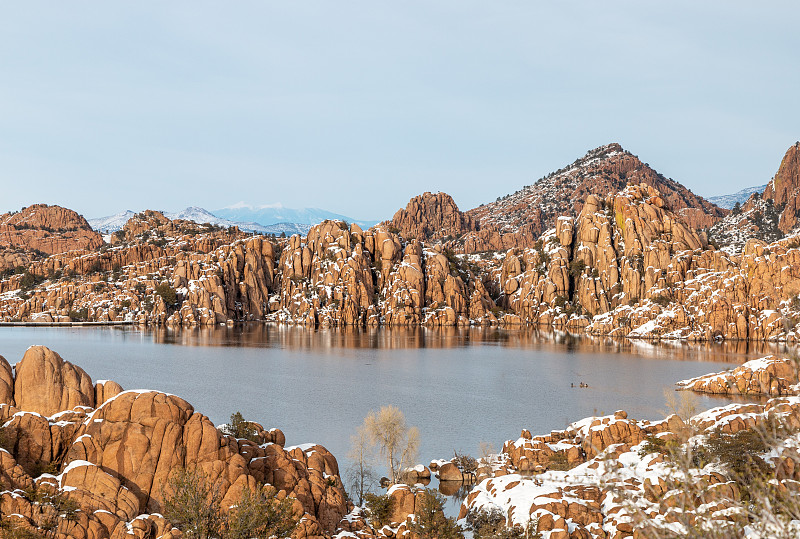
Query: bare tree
<point x="397" y="442"/>
<point x="360" y="474"/>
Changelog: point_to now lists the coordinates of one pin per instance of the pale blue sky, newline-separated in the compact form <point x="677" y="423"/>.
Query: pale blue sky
<point x="356" y="106"/>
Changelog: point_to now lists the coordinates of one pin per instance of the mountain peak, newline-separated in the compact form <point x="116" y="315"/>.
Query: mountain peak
<point x="601" y="171"/>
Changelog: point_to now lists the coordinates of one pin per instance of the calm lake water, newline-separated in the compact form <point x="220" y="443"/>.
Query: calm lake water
<point x="460" y="387"/>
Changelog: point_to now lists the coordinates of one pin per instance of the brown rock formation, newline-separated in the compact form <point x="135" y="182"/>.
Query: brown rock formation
<point x="430" y="217"/>
<point x="769" y="376"/>
<point x="115" y="461"/>
<point x="49" y="229"/>
<point x="621" y="480"/>
<point x="784" y="188"/>
<point x="517" y="220"/>
<point x="47" y="384"/>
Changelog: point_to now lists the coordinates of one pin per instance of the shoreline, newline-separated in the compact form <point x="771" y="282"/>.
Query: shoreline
<point x="65" y="324"/>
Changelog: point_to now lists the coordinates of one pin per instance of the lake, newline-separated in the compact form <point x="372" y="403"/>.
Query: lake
<point x="460" y="387"/>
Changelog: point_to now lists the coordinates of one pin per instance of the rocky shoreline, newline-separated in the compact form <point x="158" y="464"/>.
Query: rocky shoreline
<point x="110" y="452"/>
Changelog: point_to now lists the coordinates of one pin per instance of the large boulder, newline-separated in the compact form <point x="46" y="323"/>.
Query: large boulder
<point x="138" y="436"/>
<point x="47" y="384"/>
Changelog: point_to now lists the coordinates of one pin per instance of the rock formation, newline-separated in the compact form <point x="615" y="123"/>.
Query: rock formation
<point x="768" y="376"/>
<point x="48" y="229"/>
<point x="613" y="476"/>
<point x="113" y="461"/>
<point x="625" y="263"/>
<point x="431" y="217"/>
<point x="518" y="219"/>
<point x="784" y="188"/>
<point x="766" y="216"/>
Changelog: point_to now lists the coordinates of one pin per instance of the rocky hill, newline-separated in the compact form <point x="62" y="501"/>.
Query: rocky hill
<point x="602" y="171"/>
<point x="47" y="229"/>
<point x="627" y="264"/>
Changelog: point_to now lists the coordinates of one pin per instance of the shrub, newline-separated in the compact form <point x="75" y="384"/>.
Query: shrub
<point x="239" y="427"/>
<point x="259" y="514"/>
<point x="167" y="293"/>
<point x="654" y="444"/>
<point x="430" y="522"/>
<point x="740" y="455"/>
<point x="576" y="267"/>
<point x="81" y="315"/>
<point x="558" y="461"/>
<point x="192" y="505"/>
<point x="53" y="508"/>
<point x="464" y="462"/>
<point x="9" y="531"/>
<point x="491" y="524"/>
<point x="29" y="280"/>
<point x="379" y="508"/>
<point x="662" y="300"/>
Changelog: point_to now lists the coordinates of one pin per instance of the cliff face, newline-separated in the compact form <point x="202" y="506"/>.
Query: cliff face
<point x="111" y="452"/>
<point x="784" y="188"/>
<point x="49" y="229"/>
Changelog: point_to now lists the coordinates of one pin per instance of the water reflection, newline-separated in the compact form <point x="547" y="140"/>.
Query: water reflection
<point x="288" y="337"/>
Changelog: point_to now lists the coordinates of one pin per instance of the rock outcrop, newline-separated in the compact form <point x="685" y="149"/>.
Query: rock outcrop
<point x="615" y="477"/>
<point x="784" y="189"/>
<point x="114" y="461"/>
<point x="627" y="263"/>
<point x="46" y="384"/>
<point x="765" y="216"/>
<point x="431" y="217"/>
<point x="47" y="229"/>
<point x="769" y="376"/>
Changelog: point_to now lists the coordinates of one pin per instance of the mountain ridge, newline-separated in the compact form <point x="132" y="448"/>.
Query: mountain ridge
<point x="113" y="223"/>
<point x="271" y="214"/>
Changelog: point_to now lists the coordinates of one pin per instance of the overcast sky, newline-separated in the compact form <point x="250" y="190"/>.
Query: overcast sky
<point x="356" y="106"/>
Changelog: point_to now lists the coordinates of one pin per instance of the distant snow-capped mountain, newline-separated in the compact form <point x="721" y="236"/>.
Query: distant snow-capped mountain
<point x="276" y="213"/>
<point x="728" y="201"/>
<point x="112" y="223"/>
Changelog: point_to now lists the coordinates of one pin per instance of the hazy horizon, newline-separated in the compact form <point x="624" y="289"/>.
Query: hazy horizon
<point x="357" y="107"/>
